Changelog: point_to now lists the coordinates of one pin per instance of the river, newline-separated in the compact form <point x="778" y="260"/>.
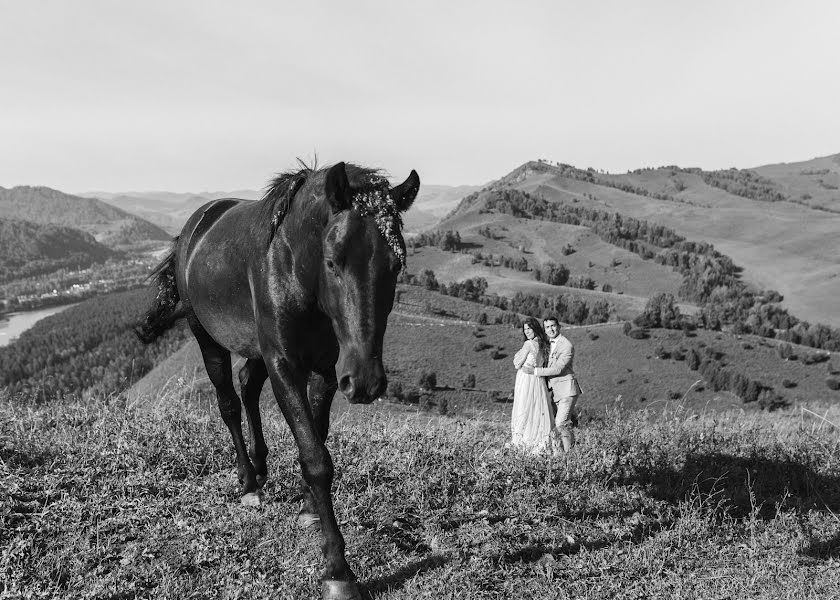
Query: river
<point x="13" y="324"/>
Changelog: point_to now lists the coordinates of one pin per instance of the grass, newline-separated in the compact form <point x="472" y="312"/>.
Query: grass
<point x="110" y="501"/>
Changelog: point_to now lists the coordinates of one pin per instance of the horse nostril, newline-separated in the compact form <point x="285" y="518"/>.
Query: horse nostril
<point x="345" y="384"/>
<point x="379" y="387"/>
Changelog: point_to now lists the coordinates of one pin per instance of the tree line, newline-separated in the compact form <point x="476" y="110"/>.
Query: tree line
<point x="88" y="349"/>
<point x="571" y="310"/>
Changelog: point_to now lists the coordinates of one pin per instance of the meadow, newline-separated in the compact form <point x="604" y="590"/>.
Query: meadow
<point x="108" y="500"/>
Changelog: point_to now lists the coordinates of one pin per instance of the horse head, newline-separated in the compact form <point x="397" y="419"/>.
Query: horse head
<point x="363" y="253"/>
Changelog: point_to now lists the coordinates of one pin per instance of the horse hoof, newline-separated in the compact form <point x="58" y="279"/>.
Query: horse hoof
<point x="251" y="499"/>
<point x="308" y="520"/>
<point x="335" y="589"/>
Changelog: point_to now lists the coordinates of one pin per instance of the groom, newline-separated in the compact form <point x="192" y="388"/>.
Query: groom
<point x="561" y="380"/>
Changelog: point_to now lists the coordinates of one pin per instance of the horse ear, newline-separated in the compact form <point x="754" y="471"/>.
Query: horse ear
<point x="338" y="187"/>
<point x="405" y="193"/>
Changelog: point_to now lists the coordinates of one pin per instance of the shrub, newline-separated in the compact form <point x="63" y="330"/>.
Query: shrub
<point x="395" y="390"/>
<point x="606" y="288"/>
<point x="593" y="336"/>
<point x="412" y="396"/>
<point x="482" y="346"/>
<point x="753" y="391"/>
<point x="469" y="381"/>
<point x="497" y="354"/>
<point x="627" y="327"/>
<point x="638" y="334"/>
<point x="661" y="311"/>
<point x="787" y="383"/>
<point x="428" y="380"/>
<point x="814" y="358"/>
<point x="661" y="353"/>
<point x="443" y="406"/>
<point x="428" y="280"/>
<point x="482" y="318"/>
<point x="552" y="274"/>
<point x="770" y="400"/>
<point x="785" y="352"/>
<point x="693" y="359"/>
<point x="674" y="395"/>
<point x="833" y="384"/>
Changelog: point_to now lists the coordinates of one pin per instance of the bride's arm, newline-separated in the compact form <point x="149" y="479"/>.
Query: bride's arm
<point x="521" y="356"/>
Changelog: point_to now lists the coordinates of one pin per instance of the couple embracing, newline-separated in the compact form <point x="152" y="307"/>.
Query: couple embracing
<point x="546" y="390"/>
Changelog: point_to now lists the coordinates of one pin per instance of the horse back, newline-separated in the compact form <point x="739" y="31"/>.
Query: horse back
<point x="216" y="250"/>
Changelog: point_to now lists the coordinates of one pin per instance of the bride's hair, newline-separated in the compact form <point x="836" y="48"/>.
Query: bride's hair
<point x="539" y="336"/>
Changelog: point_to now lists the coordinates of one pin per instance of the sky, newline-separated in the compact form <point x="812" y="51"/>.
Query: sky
<point x="208" y="95"/>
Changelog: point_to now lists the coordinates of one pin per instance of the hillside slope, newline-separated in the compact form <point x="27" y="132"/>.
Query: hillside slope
<point x="108" y="224"/>
<point x="814" y="182"/>
<point x="781" y="245"/>
<point x="28" y="249"/>
<point x="428" y="331"/>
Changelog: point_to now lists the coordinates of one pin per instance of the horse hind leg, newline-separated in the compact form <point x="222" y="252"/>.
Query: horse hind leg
<point x="251" y="380"/>
<point x="217" y="363"/>
<point x="320" y="392"/>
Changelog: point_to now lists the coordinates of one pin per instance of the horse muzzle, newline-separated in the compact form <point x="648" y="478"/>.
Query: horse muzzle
<point x="361" y="382"/>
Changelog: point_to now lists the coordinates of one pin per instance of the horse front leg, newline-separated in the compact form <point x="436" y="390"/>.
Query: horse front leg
<point x="320" y="391"/>
<point x="289" y="384"/>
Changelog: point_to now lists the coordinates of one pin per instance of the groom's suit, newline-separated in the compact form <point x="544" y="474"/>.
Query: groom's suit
<point x="564" y="387"/>
<point x="559" y="372"/>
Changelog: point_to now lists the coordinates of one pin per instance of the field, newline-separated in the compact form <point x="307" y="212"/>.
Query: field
<point x="109" y="501"/>
<point x="431" y="332"/>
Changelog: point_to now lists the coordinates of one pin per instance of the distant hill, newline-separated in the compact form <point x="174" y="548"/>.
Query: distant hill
<point x="782" y="244"/>
<point x="813" y="182"/>
<point x="107" y="224"/>
<point x="433" y="203"/>
<point x="170" y="210"/>
<point x="28" y="249"/>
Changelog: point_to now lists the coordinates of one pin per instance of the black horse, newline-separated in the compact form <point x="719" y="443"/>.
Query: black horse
<point x="299" y="283"/>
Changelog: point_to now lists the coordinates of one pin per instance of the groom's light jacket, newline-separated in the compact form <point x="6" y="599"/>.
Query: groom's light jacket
<point x="559" y="371"/>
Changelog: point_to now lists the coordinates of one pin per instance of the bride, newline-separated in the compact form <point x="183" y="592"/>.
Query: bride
<point x="532" y="419"/>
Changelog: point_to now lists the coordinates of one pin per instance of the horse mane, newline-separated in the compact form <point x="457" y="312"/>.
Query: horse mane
<point x="276" y="201"/>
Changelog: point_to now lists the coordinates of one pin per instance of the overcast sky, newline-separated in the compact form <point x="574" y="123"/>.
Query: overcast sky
<point x="207" y="95"/>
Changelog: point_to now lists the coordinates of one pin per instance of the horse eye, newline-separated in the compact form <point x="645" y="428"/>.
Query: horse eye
<point x="331" y="266"/>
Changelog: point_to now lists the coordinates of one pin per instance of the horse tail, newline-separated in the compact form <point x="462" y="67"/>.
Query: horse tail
<point x="163" y="312"/>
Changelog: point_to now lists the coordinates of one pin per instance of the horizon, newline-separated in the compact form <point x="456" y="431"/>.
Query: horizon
<point x="91" y="193"/>
<point x="121" y="98"/>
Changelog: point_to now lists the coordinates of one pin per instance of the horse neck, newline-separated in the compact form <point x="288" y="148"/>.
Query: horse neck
<point x="301" y="238"/>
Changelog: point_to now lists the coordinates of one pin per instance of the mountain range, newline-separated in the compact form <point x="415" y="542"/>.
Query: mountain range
<point x="779" y="222"/>
<point x="108" y="224"/>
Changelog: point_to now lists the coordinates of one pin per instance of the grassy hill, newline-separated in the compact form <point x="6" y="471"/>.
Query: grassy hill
<point x="813" y="182"/>
<point x="114" y="501"/>
<point x="431" y="332"/>
<point x="28" y="249"/>
<point x="687" y="495"/>
<point x="781" y="245"/>
<point x="109" y="225"/>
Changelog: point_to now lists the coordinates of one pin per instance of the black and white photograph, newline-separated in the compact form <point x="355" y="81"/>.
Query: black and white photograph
<point x="435" y="300"/>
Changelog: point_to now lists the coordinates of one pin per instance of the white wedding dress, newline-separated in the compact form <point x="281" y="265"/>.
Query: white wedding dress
<point x="532" y="419"/>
